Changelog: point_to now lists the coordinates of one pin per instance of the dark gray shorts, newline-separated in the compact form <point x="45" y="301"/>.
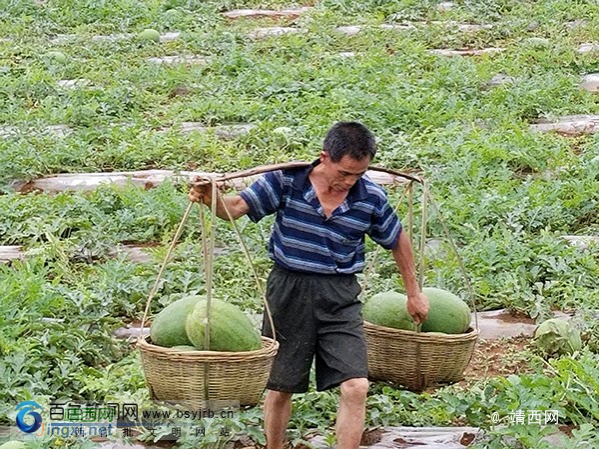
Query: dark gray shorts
<point x="315" y="315"/>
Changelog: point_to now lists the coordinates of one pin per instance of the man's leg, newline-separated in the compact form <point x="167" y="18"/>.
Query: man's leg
<point x="352" y="412"/>
<point x="341" y="354"/>
<point x="277" y="411"/>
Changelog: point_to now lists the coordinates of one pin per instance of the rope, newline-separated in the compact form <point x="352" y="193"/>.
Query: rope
<point x="246" y="252"/>
<point x="208" y="245"/>
<point x="410" y="211"/>
<point x="423" y="224"/>
<point x="423" y="228"/>
<point x="209" y="262"/>
<point x="371" y="264"/>
<point x="163" y="267"/>
<point x="209" y="269"/>
<point x="427" y="198"/>
<point x="457" y="255"/>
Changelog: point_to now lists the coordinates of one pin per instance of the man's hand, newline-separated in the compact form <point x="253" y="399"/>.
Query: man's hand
<point x="200" y="193"/>
<point x="227" y="206"/>
<point x="418" y="307"/>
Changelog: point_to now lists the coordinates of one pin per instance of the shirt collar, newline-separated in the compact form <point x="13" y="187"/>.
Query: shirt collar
<point x="302" y="177"/>
<point x="357" y="192"/>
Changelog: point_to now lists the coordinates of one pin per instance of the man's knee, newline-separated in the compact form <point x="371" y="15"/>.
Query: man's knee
<point x="278" y="397"/>
<point x="354" y="389"/>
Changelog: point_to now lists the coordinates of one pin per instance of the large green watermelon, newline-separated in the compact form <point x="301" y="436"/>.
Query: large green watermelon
<point x="230" y="329"/>
<point x="447" y="312"/>
<point x="168" y="327"/>
<point x="184" y="348"/>
<point x="389" y="309"/>
<point x="13" y="445"/>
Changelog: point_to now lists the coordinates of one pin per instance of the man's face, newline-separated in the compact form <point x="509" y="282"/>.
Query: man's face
<point x="342" y="175"/>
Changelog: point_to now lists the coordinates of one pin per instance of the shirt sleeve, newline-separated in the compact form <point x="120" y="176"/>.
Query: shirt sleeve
<point x="385" y="227"/>
<point x="264" y="196"/>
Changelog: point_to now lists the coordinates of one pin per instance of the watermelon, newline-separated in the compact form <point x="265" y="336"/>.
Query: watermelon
<point x="389" y="309"/>
<point x="13" y="445"/>
<point x="56" y="56"/>
<point x="149" y="35"/>
<point x="230" y="329"/>
<point x="168" y="327"/>
<point x="447" y="313"/>
<point x="282" y="135"/>
<point x="184" y="348"/>
<point x="537" y="42"/>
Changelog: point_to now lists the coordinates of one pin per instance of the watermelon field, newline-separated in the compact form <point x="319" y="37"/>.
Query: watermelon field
<point x="102" y="124"/>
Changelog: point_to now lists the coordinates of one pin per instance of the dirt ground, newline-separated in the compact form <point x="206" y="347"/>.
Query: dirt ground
<point x="501" y="357"/>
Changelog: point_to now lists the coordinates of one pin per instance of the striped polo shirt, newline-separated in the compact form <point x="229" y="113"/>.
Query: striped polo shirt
<point x="303" y="239"/>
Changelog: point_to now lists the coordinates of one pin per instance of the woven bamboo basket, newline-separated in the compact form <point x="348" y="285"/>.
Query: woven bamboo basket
<point x="192" y="379"/>
<point x="231" y="376"/>
<point x="417" y="360"/>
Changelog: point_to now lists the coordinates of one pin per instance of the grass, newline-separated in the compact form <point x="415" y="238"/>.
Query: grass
<point x="507" y="193"/>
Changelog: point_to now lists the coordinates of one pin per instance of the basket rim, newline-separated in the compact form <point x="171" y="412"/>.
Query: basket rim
<point x="268" y="346"/>
<point x="471" y="334"/>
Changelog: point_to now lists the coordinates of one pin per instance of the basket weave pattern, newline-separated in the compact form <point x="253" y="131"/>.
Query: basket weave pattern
<point x="232" y="376"/>
<point x="393" y="356"/>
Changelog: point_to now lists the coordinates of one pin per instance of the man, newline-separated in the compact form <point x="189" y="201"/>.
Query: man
<point x="323" y="213"/>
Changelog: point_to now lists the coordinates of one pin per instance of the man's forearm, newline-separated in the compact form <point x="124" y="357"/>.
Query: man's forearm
<point x="404" y="258"/>
<point x="235" y="204"/>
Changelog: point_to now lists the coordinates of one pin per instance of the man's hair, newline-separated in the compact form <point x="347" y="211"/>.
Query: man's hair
<point x="349" y="138"/>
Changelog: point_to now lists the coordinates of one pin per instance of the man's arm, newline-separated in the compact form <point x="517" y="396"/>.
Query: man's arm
<point x="404" y="258"/>
<point x="235" y="204"/>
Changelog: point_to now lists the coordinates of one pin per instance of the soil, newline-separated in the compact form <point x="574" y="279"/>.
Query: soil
<point x="371" y="437"/>
<point x="501" y="357"/>
<point x="137" y="323"/>
<point x="135" y="244"/>
<point x="515" y="317"/>
<point x="29" y="187"/>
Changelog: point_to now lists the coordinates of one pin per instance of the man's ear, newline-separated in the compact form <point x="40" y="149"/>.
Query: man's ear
<point x="324" y="156"/>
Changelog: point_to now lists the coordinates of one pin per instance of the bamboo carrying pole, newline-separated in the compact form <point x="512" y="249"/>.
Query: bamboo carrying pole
<point x="426" y="199"/>
<point x="216" y="181"/>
